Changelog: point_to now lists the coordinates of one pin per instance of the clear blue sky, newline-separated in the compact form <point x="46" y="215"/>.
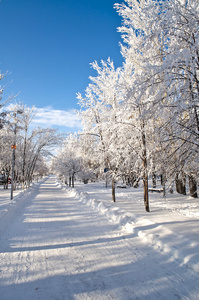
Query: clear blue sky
<point x="47" y="46"/>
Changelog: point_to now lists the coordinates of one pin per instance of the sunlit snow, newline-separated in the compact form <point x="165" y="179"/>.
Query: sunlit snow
<point x="61" y="243"/>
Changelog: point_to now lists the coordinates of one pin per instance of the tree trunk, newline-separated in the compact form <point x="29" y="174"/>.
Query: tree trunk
<point x="106" y="179"/>
<point x="32" y="167"/>
<point x="113" y="190"/>
<point x="177" y="183"/>
<point x="153" y="174"/>
<point x="154" y="179"/>
<point x="163" y="182"/>
<point x="184" y="183"/>
<point x="146" y="193"/>
<point x="145" y="172"/>
<point x="70" y="181"/>
<point x="24" y="159"/>
<point x="161" y="179"/>
<point x="193" y="187"/>
<point x="181" y="184"/>
<point x="73" y="180"/>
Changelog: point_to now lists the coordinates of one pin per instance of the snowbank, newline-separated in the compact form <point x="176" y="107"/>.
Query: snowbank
<point x="168" y="236"/>
<point x="7" y="205"/>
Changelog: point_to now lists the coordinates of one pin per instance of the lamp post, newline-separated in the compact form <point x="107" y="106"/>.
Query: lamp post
<point x="13" y="153"/>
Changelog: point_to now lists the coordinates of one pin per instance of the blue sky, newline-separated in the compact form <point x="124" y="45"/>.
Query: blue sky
<point x="47" y="46"/>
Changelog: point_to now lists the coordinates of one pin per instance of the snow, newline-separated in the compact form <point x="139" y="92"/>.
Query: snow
<point x="63" y="243"/>
<point x="162" y="228"/>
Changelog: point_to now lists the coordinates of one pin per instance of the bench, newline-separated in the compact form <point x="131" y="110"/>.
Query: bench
<point x="121" y="186"/>
<point x="155" y="190"/>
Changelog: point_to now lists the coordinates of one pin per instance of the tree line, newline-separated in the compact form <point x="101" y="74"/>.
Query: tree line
<point x="141" y="119"/>
<point x="24" y="150"/>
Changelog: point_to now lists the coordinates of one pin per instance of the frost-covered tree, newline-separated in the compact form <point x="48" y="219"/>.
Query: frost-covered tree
<point x="100" y="115"/>
<point x="179" y="71"/>
<point x="43" y="142"/>
<point x="32" y="145"/>
<point x="142" y="119"/>
<point x="24" y="137"/>
<point x="162" y="58"/>
<point x="138" y="95"/>
<point x="68" y="162"/>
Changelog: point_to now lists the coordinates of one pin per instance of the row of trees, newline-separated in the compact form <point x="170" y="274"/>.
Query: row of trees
<point x="142" y="119"/>
<point x="70" y="162"/>
<point x="24" y="149"/>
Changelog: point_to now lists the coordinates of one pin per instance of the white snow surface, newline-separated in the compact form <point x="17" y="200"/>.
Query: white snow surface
<point x="62" y="243"/>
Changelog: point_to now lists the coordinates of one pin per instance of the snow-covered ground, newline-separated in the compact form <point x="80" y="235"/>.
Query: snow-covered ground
<point x="61" y="243"/>
<point x="171" y="226"/>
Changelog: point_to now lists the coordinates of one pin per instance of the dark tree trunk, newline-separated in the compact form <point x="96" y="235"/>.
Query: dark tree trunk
<point x="193" y="187"/>
<point x="70" y="181"/>
<point x="113" y="190"/>
<point x="163" y="183"/>
<point x="73" y="180"/>
<point x="177" y="183"/>
<point x="161" y="179"/>
<point x="146" y="194"/>
<point x="180" y="184"/>
<point x="106" y="179"/>
<point x="145" y="173"/>
<point x="184" y="184"/>
<point x="24" y="160"/>
<point x="153" y="174"/>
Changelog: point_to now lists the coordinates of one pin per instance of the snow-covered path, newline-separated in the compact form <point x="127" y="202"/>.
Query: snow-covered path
<point x="54" y="247"/>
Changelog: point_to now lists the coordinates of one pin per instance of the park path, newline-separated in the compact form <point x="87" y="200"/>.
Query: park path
<point x="54" y="247"/>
